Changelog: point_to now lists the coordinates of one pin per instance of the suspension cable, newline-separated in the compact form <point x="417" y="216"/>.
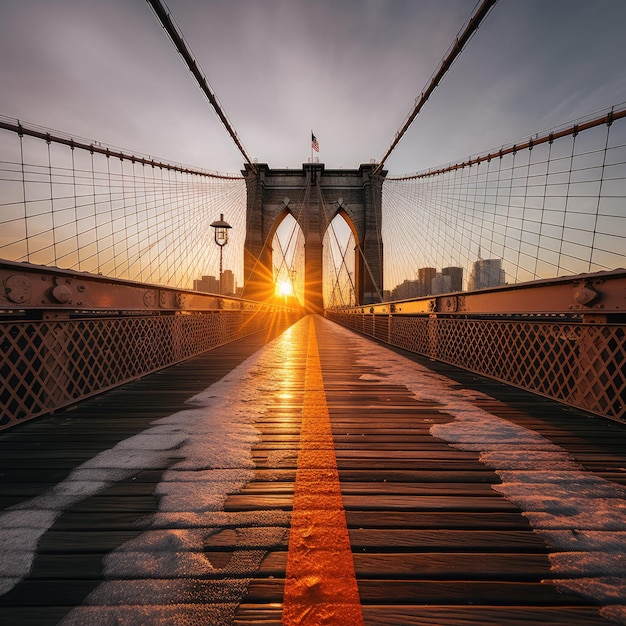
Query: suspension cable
<point x="170" y="27"/>
<point x="21" y="129"/>
<point x="613" y="115"/>
<point x="456" y="49"/>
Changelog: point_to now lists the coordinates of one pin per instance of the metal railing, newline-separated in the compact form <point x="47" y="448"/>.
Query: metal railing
<point x="564" y="339"/>
<point x="65" y="336"/>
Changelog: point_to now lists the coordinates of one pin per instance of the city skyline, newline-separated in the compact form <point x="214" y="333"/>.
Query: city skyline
<point x="484" y="273"/>
<point x="226" y="285"/>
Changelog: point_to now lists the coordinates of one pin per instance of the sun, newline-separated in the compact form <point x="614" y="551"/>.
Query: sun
<point x="284" y="288"/>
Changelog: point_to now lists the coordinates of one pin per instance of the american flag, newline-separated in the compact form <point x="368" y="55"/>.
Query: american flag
<point x="314" y="143"/>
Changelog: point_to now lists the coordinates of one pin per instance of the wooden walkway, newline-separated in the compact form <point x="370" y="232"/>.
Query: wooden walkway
<point x="151" y="541"/>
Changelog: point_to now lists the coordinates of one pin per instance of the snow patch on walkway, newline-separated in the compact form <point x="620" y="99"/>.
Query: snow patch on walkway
<point x="207" y="450"/>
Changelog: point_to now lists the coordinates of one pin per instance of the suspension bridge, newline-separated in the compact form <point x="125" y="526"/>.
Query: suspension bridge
<point x="313" y="395"/>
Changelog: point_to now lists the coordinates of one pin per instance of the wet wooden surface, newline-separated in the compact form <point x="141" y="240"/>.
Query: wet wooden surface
<point x="432" y="542"/>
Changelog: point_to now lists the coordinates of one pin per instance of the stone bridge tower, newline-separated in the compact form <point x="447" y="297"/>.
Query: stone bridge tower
<point x="314" y="196"/>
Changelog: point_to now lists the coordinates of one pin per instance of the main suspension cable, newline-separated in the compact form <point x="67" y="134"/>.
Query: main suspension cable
<point x="170" y="27"/>
<point x="456" y="49"/>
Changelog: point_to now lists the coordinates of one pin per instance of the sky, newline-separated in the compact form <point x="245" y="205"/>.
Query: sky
<point x="348" y="70"/>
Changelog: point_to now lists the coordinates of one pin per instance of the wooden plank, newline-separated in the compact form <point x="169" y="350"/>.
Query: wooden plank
<point x="378" y="488"/>
<point x="421" y="616"/>
<point x="483" y="615"/>
<point x="427" y="503"/>
<point x="394" y="539"/>
<point x="258" y="615"/>
<point x="437" y="540"/>
<point x="371" y="475"/>
<point x="252" y="501"/>
<point x="415" y="464"/>
<point x="438" y="592"/>
<point x="503" y="567"/>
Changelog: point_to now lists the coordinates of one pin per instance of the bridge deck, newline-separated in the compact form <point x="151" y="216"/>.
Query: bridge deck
<point x="314" y="482"/>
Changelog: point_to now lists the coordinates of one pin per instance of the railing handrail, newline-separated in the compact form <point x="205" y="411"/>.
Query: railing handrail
<point x="30" y="287"/>
<point x="599" y="294"/>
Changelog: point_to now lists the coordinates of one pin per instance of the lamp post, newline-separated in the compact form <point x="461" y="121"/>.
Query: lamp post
<point x="221" y="239"/>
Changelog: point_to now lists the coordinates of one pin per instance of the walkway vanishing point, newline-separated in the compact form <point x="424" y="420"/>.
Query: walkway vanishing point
<point x="316" y="479"/>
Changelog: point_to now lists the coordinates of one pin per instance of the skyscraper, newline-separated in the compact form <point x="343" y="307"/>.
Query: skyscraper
<point x="456" y="277"/>
<point x="228" y="283"/>
<point x="486" y="273"/>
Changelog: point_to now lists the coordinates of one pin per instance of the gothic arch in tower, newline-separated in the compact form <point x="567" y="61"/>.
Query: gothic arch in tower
<point x="314" y="196"/>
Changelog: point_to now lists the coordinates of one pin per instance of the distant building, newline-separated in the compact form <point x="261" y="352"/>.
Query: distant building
<point x="486" y="273"/>
<point x="210" y="284"/>
<point x="228" y="283"/>
<point x="440" y="284"/>
<point x="455" y="274"/>
<point x="405" y="290"/>
<point x="207" y="284"/>
<point x="425" y="277"/>
<point x="430" y="282"/>
<point x="448" y="280"/>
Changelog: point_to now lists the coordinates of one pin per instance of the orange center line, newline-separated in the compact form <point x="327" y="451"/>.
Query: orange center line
<point x="320" y="583"/>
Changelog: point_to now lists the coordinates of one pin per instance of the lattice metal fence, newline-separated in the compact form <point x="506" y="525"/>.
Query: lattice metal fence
<point x="583" y="365"/>
<point x="47" y="365"/>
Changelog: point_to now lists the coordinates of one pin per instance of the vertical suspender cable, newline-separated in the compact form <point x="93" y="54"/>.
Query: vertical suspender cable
<point x="26" y="238"/>
<point x="52" y="215"/>
<point x="599" y="198"/>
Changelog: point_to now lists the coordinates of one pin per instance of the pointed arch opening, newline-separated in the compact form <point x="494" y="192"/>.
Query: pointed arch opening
<point x="288" y="261"/>
<point x="339" y="263"/>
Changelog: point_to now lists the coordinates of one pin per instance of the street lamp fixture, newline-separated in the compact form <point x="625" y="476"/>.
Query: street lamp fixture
<point x="221" y="239"/>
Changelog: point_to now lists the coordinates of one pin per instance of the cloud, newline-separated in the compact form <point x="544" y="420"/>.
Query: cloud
<point x="350" y="70"/>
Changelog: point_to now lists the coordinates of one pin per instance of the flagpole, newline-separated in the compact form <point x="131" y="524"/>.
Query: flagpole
<point x="311" y="147"/>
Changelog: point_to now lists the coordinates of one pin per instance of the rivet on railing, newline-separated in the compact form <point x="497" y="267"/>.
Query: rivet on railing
<point x="17" y="289"/>
<point x="62" y="294"/>
<point x="584" y="295"/>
